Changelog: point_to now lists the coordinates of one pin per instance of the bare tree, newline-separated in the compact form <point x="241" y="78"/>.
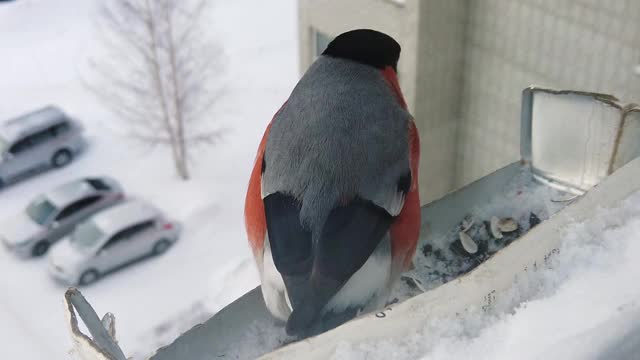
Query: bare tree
<point x="161" y="73"/>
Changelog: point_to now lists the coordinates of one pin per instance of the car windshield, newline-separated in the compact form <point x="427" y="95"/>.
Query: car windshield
<point x="40" y="210"/>
<point x="86" y="235"/>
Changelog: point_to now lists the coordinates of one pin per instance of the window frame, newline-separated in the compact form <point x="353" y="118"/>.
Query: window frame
<point x="316" y="35"/>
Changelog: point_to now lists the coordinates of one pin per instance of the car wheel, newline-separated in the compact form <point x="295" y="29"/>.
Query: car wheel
<point x="61" y="158"/>
<point x="40" y="248"/>
<point x="161" y="246"/>
<point x="89" y="277"/>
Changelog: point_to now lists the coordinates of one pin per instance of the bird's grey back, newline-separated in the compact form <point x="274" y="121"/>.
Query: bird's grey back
<point x="342" y="133"/>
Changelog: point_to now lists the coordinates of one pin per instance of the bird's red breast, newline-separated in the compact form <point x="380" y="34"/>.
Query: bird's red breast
<point x="254" y="216"/>
<point x="405" y="229"/>
<point x="392" y="79"/>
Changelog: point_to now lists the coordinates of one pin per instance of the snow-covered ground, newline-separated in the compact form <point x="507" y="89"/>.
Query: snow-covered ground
<point x="43" y="52"/>
<point x="586" y="306"/>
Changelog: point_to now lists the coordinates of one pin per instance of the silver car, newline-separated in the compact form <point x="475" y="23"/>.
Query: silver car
<point x="110" y="240"/>
<point x="53" y="215"/>
<point x="42" y="139"/>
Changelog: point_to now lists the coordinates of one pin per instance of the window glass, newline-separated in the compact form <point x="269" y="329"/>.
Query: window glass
<point x="86" y="235"/>
<point x="142" y="227"/>
<point x="21" y="146"/>
<point x="98" y="184"/>
<point x="40" y="210"/>
<point x="321" y="40"/>
<point x="76" y="207"/>
<point x="115" y="239"/>
<point x="59" y="129"/>
<point x="40" y="137"/>
<point x="128" y="233"/>
<point x="3" y="145"/>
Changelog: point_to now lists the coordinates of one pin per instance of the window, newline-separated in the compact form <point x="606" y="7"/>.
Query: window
<point x="40" y="137"/>
<point x="320" y="41"/>
<point x="86" y="235"/>
<point x="40" y="210"/>
<point x="59" y="129"/>
<point x="98" y="184"/>
<point x="128" y="233"/>
<point x="21" y="146"/>
<point x="140" y="228"/>
<point x="3" y="145"/>
<point x="77" y="206"/>
<point x="116" y="239"/>
<point x="30" y="141"/>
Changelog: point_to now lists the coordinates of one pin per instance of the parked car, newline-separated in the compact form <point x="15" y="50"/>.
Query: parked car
<point x="39" y="140"/>
<point x="110" y="240"/>
<point x="53" y="215"/>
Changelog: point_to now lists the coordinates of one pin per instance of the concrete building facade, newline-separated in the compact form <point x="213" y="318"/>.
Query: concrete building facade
<point x="464" y="64"/>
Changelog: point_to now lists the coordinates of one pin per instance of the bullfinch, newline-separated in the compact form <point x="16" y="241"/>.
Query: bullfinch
<point x="332" y="209"/>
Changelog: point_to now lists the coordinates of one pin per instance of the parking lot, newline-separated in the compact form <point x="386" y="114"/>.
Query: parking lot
<point x="43" y="62"/>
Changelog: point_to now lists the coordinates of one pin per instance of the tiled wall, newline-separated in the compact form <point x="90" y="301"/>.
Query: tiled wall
<point x="438" y="89"/>
<point x="588" y="45"/>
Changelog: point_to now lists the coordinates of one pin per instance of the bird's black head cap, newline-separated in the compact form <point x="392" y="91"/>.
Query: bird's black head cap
<point x="366" y="46"/>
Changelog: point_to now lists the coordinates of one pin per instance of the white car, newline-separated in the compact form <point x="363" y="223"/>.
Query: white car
<point x="45" y="138"/>
<point x="110" y="240"/>
<point x="54" y="214"/>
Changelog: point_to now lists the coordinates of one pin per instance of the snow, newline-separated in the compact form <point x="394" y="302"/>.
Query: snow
<point x="587" y="297"/>
<point x="45" y="46"/>
<point x="585" y="306"/>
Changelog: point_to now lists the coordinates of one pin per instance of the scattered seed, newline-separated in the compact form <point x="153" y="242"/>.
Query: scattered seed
<point x="467" y="243"/>
<point x="467" y="224"/>
<point x="495" y="227"/>
<point x="507" y="225"/>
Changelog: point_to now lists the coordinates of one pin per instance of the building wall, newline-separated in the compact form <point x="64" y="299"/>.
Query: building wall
<point x="399" y="19"/>
<point x="429" y="70"/>
<point x="464" y="64"/>
<point x="438" y="88"/>
<point x="577" y="44"/>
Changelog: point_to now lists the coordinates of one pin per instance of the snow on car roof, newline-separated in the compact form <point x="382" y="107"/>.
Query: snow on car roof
<point x="69" y="192"/>
<point x="125" y="214"/>
<point x="12" y="128"/>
